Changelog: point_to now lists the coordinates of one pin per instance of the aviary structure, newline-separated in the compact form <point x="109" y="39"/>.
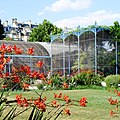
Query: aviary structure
<point x="89" y="48"/>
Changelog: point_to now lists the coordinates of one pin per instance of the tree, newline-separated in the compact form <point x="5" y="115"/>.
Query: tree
<point x="1" y="31"/>
<point x="42" y="33"/>
<point x="115" y="31"/>
<point x="115" y="36"/>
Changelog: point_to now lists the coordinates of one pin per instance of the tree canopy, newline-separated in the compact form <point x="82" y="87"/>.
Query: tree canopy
<point x="115" y="31"/>
<point x="1" y="31"/>
<point x="43" y="31"/>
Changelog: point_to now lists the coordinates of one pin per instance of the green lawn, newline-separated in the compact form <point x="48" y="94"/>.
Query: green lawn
<point x="98" y="107"/>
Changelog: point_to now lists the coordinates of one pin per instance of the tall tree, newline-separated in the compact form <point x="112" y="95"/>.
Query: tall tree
<point x="115" y="36"/>
<point x="115" y="32"/>
<point x="1" y="31"/>
<point x="42" y="33"/>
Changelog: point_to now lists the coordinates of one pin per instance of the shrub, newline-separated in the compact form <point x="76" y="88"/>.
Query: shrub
<point x="112" y="81"/>
<point x="88" y="77"/>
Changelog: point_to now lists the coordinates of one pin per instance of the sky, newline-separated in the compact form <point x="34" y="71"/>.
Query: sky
<point x="62" y="13"/>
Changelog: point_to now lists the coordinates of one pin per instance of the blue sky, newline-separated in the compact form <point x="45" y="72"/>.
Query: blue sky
<point x="62" y="13"/>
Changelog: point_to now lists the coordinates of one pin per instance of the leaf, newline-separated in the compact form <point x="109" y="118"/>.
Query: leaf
<point x="32" y="113"/>
<point x="10" y="113"/>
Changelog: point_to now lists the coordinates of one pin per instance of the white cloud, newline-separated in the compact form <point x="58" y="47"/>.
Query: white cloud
<point x="102" y="17"/>
<point x="62" y="5"/>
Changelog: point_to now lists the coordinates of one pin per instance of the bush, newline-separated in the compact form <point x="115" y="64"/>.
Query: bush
<point x="112" y="81"/>
<point x="88" y="77"/>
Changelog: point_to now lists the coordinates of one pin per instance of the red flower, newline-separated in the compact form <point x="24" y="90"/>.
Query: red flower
<point x="2" y="48"/>
<point x="54" y="103"/>
<point x="1" y="66"/>
<point x="40" y="104"/>
<point x="9" y="48"/>
<point x="39" y="64"/>
<point x="67" y="111"/>
<point x="16" y="79"/>
<point x="14" y="47"/>
<point x="34" y="74"/>
<point x="57" y="95"/>
<point x="113" y="102"/>
<point x="27" y="70"/>
<point x="112" y="113"/>
<point x="118" y="93"/>
<point x="83" y="102"/>
<point x="26" y="86"/>
<point x="66" y="98"/>
<point x="18" y="51"/>
<point x="21" y="102"/>
<point x="41" y="76"/>
<point x="65" y="85"/>
<point x="30" y="51"/>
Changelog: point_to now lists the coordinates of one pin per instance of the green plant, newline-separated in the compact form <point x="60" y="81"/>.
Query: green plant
<point x="40" y="86"/>
<point x="87" y="77"/>
<point x="112" y="81"/>
<point x="56" y="81"/>
<point x="37" y="108"/>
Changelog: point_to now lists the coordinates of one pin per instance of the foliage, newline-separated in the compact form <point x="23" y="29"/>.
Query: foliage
<point x="115" y="36"/>
<point x="20" y="76"/>
<point x="40" y="86"/>
<point x="98" y="106"/>
<point x="87" y="77"/>
<point x="8" y="39"/>
<point x="1" y="31"/>
<point x="43" y="32"/>
<point x="112" y="81"/>
<point x="115" y="31"/>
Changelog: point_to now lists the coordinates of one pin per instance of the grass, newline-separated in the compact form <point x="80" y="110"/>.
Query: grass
<point x="98" y="107"/>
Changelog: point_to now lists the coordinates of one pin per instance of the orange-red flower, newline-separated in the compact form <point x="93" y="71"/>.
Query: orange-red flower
<point x="66" y="98"/>
<point x="118" y="93"/>
<point x="30" y="51"/>
<point x="34" y="74"/>
<point x="58" y="95"/>
<point x="41" y="76"/>
<point x="67" y="111"/>
<point x="2" y="48"/>
<point x="22" y="102"/>
<point x="40" y="104"/>
<point x="83" y="102"/>
<point x="27" y="70"/>
<point x="65" y="85"/>
<point x="39" y="64"/>
<point x="112" y="113"/>
<point x="16" y="79"/>
<point x="18" y="51"/>
<point x="1" y="66"/>
<point x="9" y="48"/>
<point x="54" y="103"/>
<point x="26" y="86"/>
<point x="113" y="102"/>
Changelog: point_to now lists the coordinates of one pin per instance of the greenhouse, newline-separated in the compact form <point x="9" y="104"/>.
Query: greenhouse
<point x="40" y="54"/>
<point x="89" y="48"/>
<point x="71" y="51"/>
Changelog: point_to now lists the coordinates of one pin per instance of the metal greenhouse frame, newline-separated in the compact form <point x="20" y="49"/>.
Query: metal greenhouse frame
<point x="89" y="48"/>
<point x="40" y="54"/>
